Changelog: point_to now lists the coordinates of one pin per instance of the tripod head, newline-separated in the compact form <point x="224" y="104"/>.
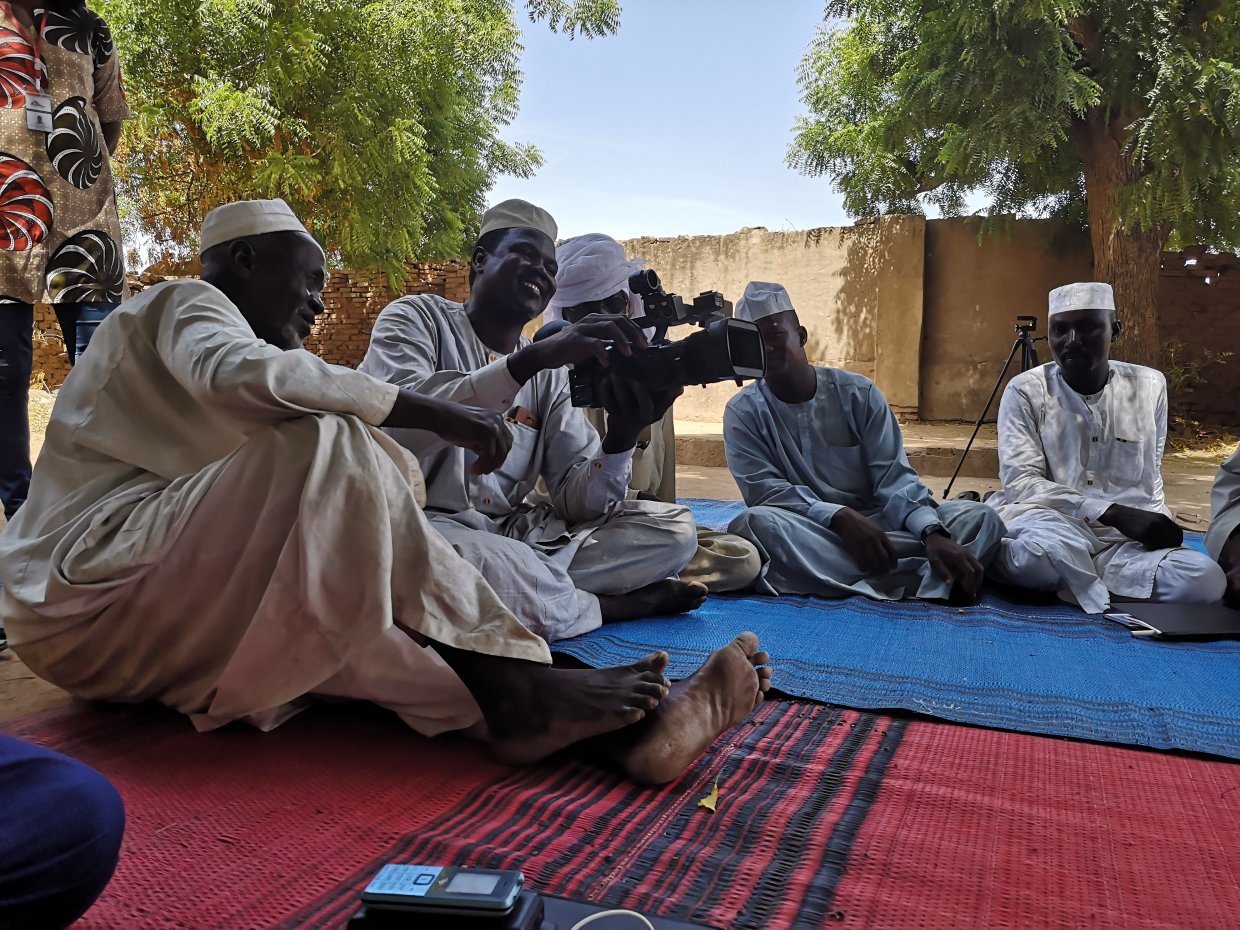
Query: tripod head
<point x="1025" y="325"/>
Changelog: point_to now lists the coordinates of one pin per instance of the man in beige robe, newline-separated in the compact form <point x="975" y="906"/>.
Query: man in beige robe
<point x="215" y="523"/>
<point x="593" y="277"/>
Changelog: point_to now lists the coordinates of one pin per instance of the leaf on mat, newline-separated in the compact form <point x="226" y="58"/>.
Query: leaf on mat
<point x="711" y="799"/>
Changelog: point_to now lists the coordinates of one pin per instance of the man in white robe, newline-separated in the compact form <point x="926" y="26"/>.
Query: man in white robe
<point x="1222" y="540"/>
<point x="1081" y="442"/>
<point x="834" y="506"/>
<point x="215" y="523"/>
<point x="593" y="277"/>
<point x="586" y="555"/>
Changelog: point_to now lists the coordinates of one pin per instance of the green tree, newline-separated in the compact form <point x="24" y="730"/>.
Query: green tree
<point x="377" y="121"/>
<point x="1121" y="113"/>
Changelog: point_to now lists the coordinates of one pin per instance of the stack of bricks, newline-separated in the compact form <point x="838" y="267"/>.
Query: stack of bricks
<point x="353" y="300"/>
<point x="51" y="363"/>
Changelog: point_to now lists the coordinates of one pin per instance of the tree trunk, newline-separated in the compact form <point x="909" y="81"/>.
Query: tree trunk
<point x="1128" y="260"/>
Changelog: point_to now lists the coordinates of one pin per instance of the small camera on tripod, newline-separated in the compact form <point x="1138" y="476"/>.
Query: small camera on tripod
<point x="1026" y="324"/>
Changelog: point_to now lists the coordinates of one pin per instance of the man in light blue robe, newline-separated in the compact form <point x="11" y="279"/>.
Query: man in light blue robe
<point x="834" y="506"/>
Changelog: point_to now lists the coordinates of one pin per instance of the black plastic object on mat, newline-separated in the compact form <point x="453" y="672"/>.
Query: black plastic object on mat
<point x="532" y="912"/>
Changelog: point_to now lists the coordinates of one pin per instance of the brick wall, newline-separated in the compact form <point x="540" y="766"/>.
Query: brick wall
<point x="353" y="299"/>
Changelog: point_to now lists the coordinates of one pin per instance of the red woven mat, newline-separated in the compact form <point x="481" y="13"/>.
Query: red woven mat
<point x="825" y="818"/>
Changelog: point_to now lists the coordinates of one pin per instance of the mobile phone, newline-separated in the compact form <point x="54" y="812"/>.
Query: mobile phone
<point x="443" y="890"/>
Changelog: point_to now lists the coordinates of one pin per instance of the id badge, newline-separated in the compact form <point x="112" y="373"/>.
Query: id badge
<point x="39" y="112"/>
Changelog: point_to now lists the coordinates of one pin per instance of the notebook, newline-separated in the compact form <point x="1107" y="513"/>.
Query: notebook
<point x="1196" y="621"/>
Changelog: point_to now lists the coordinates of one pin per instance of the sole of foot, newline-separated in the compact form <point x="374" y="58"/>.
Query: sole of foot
<point x="728" y="687"/>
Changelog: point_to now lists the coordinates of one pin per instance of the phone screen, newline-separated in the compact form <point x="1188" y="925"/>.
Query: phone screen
<point x="467" y="883"/>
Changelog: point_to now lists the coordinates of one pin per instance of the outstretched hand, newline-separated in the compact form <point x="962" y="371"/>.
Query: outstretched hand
<point x="482" y="432"/>
<point x="1150" y="529"/>
<point x="955" y="564"/>
<point x="631" y="407"/>
<point x="865" y="540"/>
<point x="588" y="339"/>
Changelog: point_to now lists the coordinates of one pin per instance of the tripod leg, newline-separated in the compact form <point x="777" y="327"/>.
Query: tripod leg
<point x="977" y="427"/>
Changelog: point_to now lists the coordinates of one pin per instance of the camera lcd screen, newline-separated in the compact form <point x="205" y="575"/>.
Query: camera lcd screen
<point x="470" y="883"/>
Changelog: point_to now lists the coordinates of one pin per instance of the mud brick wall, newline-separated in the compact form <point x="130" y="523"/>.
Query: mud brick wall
<point x="354" y="299"/>
<point x="51" y="363"/>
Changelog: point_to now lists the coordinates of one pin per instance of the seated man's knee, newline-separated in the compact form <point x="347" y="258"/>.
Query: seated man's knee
<point x="969" y="522"/>
<point x="1026" y="564"/>
<point x="760" y="524"/>
<point x="1186" y="576"/>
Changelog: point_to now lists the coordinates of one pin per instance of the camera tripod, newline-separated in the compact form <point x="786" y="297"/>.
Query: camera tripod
<point x="1024" y="345"/>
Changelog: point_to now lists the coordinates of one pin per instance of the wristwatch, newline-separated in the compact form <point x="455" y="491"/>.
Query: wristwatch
<point x="935" y="528"/>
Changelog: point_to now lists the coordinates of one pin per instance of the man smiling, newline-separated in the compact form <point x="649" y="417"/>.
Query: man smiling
<point x="584" y="554"/>
<point x="1080" y="449"/>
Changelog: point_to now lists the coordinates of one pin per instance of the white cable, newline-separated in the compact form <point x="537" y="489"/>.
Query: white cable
<point x="601" y="914"/>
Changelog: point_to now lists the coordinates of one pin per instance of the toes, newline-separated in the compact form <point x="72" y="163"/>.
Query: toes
<point x="748" y="643"/>
<point x="655" y="662"/>
<point x="632" y="715"/>
<point x="760" y="658"/>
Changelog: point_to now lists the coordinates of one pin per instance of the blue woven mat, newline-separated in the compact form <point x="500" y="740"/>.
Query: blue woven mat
<point x="1037" y="669"/>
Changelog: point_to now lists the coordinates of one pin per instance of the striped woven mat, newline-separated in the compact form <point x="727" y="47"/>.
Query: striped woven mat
<point x="825" y="817"/>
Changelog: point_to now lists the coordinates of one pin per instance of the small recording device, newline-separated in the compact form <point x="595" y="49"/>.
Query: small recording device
<point x="1026" y="324"/>
<point x="444" y="890"/>
<point x="723" y="349"/>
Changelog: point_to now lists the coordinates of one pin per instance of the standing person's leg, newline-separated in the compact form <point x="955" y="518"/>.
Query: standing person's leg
<point x="90" y="315"/>
<point x="16" y="358"/>
<point x="60" y="836"/>
<point x="67" y="317"/>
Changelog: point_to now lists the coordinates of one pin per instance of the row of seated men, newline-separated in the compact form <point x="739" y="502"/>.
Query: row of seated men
<point x="224" y="523"/>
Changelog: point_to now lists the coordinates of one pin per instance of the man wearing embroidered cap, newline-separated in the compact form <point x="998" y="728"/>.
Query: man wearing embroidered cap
<point x="834" y="506"/>
<point x="582" y="554"/>
<point x="1081" y="441"/>
<point x="216" y="524"/>
<point x="593" y="277"/>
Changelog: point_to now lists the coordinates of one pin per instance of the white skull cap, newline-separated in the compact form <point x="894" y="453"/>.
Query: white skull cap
<point x="762" y="299"/>
<point x="518" y="214"/>
<point x="249" y="218"/>
<point x="1087" y="295"/>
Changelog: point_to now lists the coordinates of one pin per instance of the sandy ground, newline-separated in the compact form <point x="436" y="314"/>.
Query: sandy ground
<point x="1187" y="475"/>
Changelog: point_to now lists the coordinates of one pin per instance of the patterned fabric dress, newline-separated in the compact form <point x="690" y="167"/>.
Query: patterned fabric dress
<point x="59" y="229"/>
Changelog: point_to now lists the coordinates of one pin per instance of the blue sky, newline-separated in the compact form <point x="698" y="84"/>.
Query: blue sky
<point x="677" y="125"/>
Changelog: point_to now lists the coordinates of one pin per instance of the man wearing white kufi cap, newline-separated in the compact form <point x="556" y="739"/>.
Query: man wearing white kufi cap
<point x="834" y="506"/>
<point x="1081" y="441"/>
<point x="593" y="277"/>
<point x="216" y="524"/>
<point x="583" y="554"/>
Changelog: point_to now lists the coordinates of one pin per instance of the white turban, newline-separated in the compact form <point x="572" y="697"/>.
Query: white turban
<point x="518" y="214"/>
<point x="591" y="267"/>
<point x="762" y="299"/>
<point x="1084" y="296"/>
<point x="249" y="218"/>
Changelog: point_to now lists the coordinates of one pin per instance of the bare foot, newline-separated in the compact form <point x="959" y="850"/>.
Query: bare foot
<point x="534" y="710"/>
<point x="715" y="698"/>
<point x="662" y="597"/>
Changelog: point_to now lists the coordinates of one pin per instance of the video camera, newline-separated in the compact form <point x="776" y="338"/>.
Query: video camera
<point x="724" y="349"/>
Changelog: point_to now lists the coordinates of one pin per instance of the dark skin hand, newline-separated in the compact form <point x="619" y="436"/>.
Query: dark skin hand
<point x="1152" y="530"/>
<point x="1229" y="559"/>
<point x="954" y="564"/>
<point x="482" y="432"/>
<point x="630" y="409"/>
<point x="866" y="541"/>
<point x="585" y="341"/>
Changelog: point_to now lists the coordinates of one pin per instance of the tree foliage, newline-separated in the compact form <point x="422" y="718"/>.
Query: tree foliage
<point x="1125" y="112"/>
<point x="377" y="121"/>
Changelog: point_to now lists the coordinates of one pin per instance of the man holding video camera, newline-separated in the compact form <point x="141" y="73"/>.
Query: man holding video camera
<point x="593" y="277"/>
<point x="584" y="554"/>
